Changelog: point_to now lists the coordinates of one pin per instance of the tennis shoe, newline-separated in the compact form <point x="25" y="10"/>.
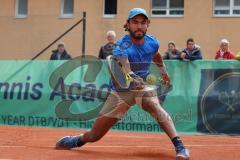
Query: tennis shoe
<point x="69" y="142"/>
<point x="182" y="153"/>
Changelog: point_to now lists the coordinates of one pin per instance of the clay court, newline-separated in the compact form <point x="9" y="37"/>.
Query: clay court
<point x="25" y="143"/>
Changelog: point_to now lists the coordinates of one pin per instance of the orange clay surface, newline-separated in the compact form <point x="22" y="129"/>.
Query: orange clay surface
<point x="26" y="143"/>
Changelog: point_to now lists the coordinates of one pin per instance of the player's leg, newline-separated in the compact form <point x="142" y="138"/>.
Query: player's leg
<point x="102" y="125"/>
<point x="114" y="109"/>
<point x="152" y="106"/>
<point x="150" y="103"/>
<point x="100" y="128"/>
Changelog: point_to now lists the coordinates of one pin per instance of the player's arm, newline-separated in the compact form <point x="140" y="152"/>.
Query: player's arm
<point x="158" y="60"/>
<point x="125" y="62"/>
<point x="137" y="81"/>
<point x="126" y="65"/>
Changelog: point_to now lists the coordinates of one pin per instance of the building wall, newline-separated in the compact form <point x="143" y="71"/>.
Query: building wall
<point x="23" y="38"/>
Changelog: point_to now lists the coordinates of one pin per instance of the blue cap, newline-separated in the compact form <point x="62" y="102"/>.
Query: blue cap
<point x="136" y="11"/>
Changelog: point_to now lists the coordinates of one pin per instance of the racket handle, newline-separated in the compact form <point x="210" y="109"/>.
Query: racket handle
<point x="133" y="75"/>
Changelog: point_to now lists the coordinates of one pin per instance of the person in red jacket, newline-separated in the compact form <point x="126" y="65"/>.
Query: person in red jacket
<point x="224" y="52"/>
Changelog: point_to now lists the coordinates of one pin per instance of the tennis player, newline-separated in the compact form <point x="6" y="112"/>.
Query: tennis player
<point x="144" y="49"/>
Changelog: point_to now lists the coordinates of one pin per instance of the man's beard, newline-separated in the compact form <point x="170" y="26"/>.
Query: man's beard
<point x="137" y="36"/>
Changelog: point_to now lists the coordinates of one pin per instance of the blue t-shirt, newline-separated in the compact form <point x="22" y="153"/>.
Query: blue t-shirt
<point x="139" y="56"/>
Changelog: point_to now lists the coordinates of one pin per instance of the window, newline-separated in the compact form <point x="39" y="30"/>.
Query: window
<point x="110" y="8"/>
<point x="167" y="8"/>
<point x="21" y="8"/>
<point x="227" y="7"/>
<point x="67" y="8"/>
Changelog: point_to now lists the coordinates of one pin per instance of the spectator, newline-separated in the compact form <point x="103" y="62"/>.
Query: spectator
<point x="60" y="53"/>
<point x="192" y="52"/>
<point x="224" y="51"/>
<point x="106" y="50"/>
<point x="172" y="52"/>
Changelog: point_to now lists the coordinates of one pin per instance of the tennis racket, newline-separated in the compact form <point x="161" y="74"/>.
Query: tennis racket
<point x="123" y="80"/>
<point x="119" y="76"/>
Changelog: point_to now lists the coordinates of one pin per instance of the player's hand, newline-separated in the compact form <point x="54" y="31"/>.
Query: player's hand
<point x="137" y="83"/>
<point x="165" y="79"/>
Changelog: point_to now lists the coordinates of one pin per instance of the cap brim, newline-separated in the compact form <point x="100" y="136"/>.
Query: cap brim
<point x="138" y="14"/>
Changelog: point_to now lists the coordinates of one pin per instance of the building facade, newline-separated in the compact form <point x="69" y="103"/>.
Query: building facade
<point x="28" y="26"/>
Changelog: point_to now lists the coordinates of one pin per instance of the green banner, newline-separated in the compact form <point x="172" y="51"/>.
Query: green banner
<point x="70" y="94"/>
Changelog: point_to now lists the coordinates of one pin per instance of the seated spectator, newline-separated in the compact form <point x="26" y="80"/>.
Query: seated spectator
<point x="172" y="52"/>
<point x="60" y="53"/>
<point x="224" y="51"/>
<point x="106" y="50"/>
<point x="192" y="52"/>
